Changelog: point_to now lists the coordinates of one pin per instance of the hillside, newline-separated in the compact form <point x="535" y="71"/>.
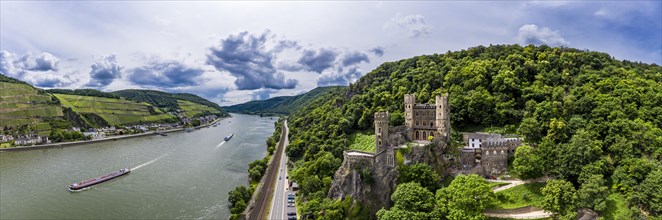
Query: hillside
<point x="594" y="121"/>
<point x="171" y="101"/>
<point x="282" y="104"/>
<point x="25" y="108"/>
<point x="113" y="111"/>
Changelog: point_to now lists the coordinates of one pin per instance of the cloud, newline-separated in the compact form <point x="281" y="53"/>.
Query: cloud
<point x="250" y="58"/>
<point x="166" y="74"/>
<point x="354" y="57"/>
<point x="261" y="94"/>
<point x="41" y="70"/>
<point x="532" y="34"/>
<point x="378" y="51"/>
<point x="104" y="71"/>
<point x="317" y="61"/>
<point x="415" y="24"/>
<point x="342" y="76"/>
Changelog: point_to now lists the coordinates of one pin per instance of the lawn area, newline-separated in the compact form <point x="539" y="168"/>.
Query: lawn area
<point x="520" y="196"/>
<point x="617" y="207"/>
<point x="362" y="141"/>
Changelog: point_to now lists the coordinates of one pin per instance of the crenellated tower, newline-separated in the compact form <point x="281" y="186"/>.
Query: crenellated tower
<point x="384" y="153"/>
<point x="442" y="119"/>
<point x="410" y="101"/>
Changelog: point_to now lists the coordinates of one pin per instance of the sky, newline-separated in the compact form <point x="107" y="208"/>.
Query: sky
<point x="233" y="52"/>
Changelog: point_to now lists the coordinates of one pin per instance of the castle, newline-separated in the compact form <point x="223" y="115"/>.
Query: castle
<point x="426" y="120"/>
<point x="483" y="153"/>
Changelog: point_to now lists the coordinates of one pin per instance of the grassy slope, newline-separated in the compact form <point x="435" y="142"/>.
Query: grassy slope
<point x="282" y="104"/>
<point x="191" y="109"/>
<point x="363" y="141"/>
<point x="114" y="111"/>
<point x="22" y="104"/>
<point x="165" y="100"/>
<point x="520" y="196"/>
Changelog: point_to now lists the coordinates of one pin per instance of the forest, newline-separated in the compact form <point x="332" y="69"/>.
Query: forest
<point x="589" y="121"/>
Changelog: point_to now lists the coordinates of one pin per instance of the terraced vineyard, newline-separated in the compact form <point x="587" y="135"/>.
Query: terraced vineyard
<point x="114" y="111"/>
<point x="190" y="109"/>
<point x="22" y="104"/>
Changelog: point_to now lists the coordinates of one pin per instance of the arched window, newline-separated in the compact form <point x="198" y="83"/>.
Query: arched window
<point x="379" y="142"/>
<point x="502" y="152"/>
<point x="494" y="152"/>
<point x="431" y="124"/>
<point x="487" y="153"/>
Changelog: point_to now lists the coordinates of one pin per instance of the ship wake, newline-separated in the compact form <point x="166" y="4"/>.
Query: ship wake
<point x="220" y="144"/>
<point x="151" y="161"/>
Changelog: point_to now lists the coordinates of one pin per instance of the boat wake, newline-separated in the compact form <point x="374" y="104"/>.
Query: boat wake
<point x="220" y="144"/>
<point x="151" y="161"/>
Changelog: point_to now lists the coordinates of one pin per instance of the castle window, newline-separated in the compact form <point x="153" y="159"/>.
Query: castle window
<point x="487" y="153"/>
<point x="431" y="124"/>
<point x="502" y="152"/>
<point x="494" y="152"/>
<point x="379" y="130"/>
<point x="379" y="142"/>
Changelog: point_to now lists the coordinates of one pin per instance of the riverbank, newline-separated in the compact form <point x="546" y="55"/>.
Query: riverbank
<point x="112" y="138"/>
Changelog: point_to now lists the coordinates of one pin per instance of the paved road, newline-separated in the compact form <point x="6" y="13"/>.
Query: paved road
<point x="528" y="215"/>
<point x="268" y="188"/>
<point x="279" y="202"/>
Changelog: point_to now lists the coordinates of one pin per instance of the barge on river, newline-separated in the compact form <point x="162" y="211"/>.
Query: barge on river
<point x="94" y="181"/>
<point x="228" y="137"/>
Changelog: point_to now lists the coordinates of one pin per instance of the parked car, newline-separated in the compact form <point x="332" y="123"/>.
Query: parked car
<point x="291" y="213"/>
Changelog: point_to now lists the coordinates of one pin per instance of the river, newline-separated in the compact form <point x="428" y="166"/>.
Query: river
<point x="185" y="175"/>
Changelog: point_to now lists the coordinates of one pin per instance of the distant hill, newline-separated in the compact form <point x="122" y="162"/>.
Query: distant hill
<point x="170" y="101"/>
<point x="24" y="106"/>
<point x="283" y="104"/>
<point x="25" y="109"/>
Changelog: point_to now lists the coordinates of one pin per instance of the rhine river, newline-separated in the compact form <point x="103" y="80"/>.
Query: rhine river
<point x="185" y="175"/>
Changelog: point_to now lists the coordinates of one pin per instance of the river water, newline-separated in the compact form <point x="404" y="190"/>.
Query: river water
<point x="185" y="175"/>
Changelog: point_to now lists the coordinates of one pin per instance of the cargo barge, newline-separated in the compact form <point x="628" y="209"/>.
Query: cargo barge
<point x="228" y="137"/>
<point x="91" y="182"/>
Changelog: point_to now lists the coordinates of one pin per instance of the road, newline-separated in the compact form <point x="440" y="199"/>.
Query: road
<point x="262" y="202"/>
<point x="279" y="203"/>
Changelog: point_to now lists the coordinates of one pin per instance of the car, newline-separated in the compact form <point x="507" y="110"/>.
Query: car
<point x="291" y="213"/>
<point x="291" y="218"/>
<point x="290" y="205"/>
<point x="290" y="201"/>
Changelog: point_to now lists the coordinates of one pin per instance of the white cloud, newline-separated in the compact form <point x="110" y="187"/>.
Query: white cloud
<point x="415" y="24"/>
<point x="532" y="34"/>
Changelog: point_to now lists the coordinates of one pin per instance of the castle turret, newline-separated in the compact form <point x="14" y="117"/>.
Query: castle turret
<point x="443" y="121"/>
<point x="381" y="131"/>
<point x="410" y="101"/>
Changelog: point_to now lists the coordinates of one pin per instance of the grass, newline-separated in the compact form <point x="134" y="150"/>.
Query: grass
<point x="114" y="111"/>
<point x="362" y="141"/>
<point x="191" y="109"/>
<point x="617" y="207"/>
<point x="520" y="196"/>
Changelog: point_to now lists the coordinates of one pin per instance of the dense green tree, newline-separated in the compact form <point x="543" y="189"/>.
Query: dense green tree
<point x="411" y="201"/>
<point x="465" y="198"/>
<point x="593" y="193"/>
<point x="560" y="198"/>
<point x="420" y="173"/>
<point x="580" y="151"/>
<point x="527" y="162"/>
<point x="649" y="193"/>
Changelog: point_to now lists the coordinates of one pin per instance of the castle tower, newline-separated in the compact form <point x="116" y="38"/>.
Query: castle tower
<point x="384" y="153"/>
<point x="410" y="101"/>
<point x="381" y="131"/>
<point x="442" y="116"/>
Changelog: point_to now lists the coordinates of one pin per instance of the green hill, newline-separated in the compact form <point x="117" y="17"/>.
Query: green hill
<point x="172" y="101"/>
<point x="25" y="108"/>
<point x="594" y="121"/>
<point x="282" y="104"/>
<point x="101" y="111"/>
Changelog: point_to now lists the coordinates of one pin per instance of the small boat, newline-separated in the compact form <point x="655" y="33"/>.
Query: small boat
<point x="188" y="129"/>
<point x="94" y="181"/>
<point x="228" y="137"/>
<point x="163" y="134"/>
